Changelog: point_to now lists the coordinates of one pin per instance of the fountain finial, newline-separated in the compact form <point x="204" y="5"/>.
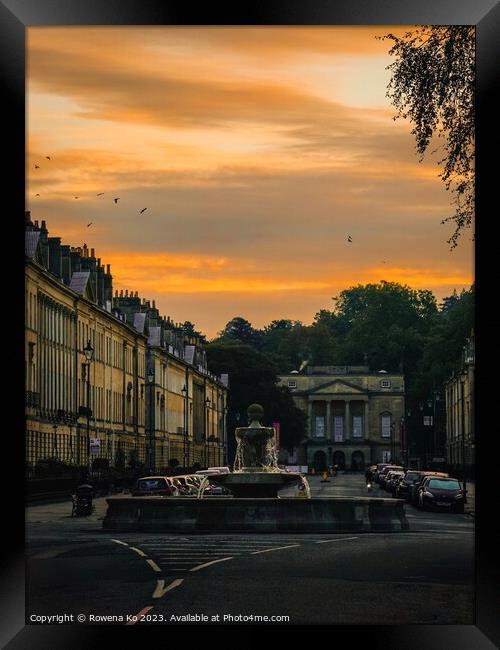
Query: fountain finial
<point x="255" y="414"/>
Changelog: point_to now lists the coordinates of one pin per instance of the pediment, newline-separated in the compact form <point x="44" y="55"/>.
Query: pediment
<point x="337" y="387"/>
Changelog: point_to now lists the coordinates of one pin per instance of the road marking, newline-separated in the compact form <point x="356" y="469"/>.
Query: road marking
<point x="141" y="613"/>
<point x="119" y="542"/>
<point x="138" y="550"/>
<point x="338" y="539"/>
<point x="278" y="548"/>
<point x="202" y="566"/>
<point x="153" y="565"/>
<point x="161" y="590"/>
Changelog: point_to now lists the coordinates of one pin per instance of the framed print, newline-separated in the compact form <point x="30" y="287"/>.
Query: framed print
<point x="198" y="186"/>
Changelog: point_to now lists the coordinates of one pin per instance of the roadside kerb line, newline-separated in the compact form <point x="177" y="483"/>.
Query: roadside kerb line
<point x="161" y="590"/>
<point x="119" y="542"/>
<point x="276" y="548"/>
<point x="202" y="566"/>
<point x="141" y="613"/>
<point x="337" y="539"/>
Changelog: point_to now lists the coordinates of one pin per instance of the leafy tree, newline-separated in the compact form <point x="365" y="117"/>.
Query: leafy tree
<point x="432" y="84"/>
<point x="239" y="330"/>
<point x="188" y="329"/>
<point x="253" y="378"/>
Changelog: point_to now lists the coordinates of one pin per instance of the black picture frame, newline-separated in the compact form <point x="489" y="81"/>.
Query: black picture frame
<point x="15" y="17"/>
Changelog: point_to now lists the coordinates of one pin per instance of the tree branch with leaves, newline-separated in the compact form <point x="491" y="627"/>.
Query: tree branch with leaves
<point x="432" y="84"/>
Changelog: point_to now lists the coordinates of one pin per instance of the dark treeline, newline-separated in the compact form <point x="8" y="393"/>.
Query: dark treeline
<point x="387" y="326"/>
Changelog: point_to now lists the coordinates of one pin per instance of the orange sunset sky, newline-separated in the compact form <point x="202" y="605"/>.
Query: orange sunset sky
<point x="256" y="152"/>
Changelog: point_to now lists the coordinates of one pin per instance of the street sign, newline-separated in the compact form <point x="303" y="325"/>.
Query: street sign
<point x="95" y="446"/>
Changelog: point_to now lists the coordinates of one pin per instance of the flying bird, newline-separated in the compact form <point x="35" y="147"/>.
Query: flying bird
<point x="48" y="157"/>
<point x="37" y="194"/>
<point x="100" y="194"/>
<point x="349" y="238"/>
<point x="143" y="210"/>
<point x="76" y="197"/>
<point x="116" y="200"/>
<point x="383" y="261"/>
<point x="89" y="224"/>
<point x="37" y="166"/>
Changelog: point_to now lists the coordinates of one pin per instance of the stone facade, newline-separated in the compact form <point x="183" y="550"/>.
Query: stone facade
<point x="146" y="385"/>
<point x="354" y="416"/>
<point x="460" y="432"/>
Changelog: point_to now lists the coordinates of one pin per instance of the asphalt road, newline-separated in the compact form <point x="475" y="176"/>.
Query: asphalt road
<point x="425" y="575"/>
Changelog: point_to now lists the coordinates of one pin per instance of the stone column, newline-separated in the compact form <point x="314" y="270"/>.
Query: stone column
<point x="329" y="431"/>
<point x="347" y="418"/>
<point x="310" y="419"/>
<point x="366" y="427"/>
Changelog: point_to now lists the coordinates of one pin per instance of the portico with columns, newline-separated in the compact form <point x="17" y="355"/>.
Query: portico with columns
<point x="353" y="419"/>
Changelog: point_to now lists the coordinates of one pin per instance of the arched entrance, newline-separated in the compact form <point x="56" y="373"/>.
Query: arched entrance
<point x="320" y="461"/>
<point x="357" y="461"/>
<point x="339" y="459"/>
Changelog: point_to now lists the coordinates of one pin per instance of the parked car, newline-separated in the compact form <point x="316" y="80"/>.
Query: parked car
<point x="152" y="486"/>
<point x="415" y="487"/>
<point x="383" y="473"/>
<point x="440" y="492"/>
<point x="403" y="490"/>
<point x="378" y="470"/>
<point x="392" y="481"/>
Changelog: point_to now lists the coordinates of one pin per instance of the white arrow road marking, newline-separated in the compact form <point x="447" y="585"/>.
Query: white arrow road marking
<point x="202" y="566"/>
<point x="138" y="616"/>
<point x="161" y="590"/>
<point x="338" y="539"/>
<point x="276" y="548"/>
<point x="153" y="565"/>
<point x="138" y="550"/>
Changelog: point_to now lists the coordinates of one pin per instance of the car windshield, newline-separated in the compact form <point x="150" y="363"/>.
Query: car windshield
<point x="443" y="484"/>
<point x="412" y="476"/>
<point x="151" y="484"/>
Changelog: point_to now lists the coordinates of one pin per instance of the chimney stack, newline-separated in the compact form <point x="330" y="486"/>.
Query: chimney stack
<point x="108" y="269"/>
<point x="92" y="252"/>
<point x="121" y="293"/>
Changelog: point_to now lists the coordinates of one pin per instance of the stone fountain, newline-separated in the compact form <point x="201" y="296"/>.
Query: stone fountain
<point x="256" y="472"/>
<point x="255" y="505"/>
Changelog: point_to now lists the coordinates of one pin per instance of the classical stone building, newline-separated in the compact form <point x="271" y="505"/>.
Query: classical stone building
<point x="354" y="416"/>
<point x="460" y="430"/>
<point x="146" y="395"/>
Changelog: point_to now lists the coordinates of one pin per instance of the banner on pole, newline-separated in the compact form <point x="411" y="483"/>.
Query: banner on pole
<point x="95" y="446"/>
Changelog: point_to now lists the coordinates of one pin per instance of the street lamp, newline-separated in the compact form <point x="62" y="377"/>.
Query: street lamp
<point x="88" y="351"/>
<point x="151" y="378"/>
<point x="207" y="403"/>
<point x="184" y="391"/>
<point x="226" y="409"/>
<point x="55" y="441"/>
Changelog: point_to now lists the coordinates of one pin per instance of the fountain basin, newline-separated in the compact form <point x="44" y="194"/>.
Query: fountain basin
<point x="282" y="515"/>
<point x="255" y="484"/>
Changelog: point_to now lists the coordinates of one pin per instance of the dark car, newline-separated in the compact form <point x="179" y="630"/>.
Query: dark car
<point x="438" y="492"/>
<point x="403" y="490"/>
<point x="152" y="486"/>
<point x="383" y="473"/>
<point x="417" y="484"/>
<point x="392" y="481"/>
<point x="378" y="468"/>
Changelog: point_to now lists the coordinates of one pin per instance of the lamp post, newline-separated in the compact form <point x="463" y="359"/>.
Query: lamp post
<point x="151" y="378"/>
<point x="88" y="351"/>
<point x="421" y="407"/>
<point x="207" y="403"/>
<point x="184" y="391"/>
<point x="55" y="441"/>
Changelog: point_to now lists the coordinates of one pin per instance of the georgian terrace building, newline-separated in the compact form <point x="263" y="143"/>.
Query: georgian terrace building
<point x="354" y="416"/>
<point x="146" y="395"/>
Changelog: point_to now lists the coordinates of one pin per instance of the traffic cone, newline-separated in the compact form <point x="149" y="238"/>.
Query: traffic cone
<point x="325" y="478"/>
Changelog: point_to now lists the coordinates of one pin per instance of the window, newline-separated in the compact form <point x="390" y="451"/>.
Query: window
<point x="385" y="422"/>
<point x="292" y="383"/>
<point x="357" y="426"/>
<point x="385" y="383"/>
